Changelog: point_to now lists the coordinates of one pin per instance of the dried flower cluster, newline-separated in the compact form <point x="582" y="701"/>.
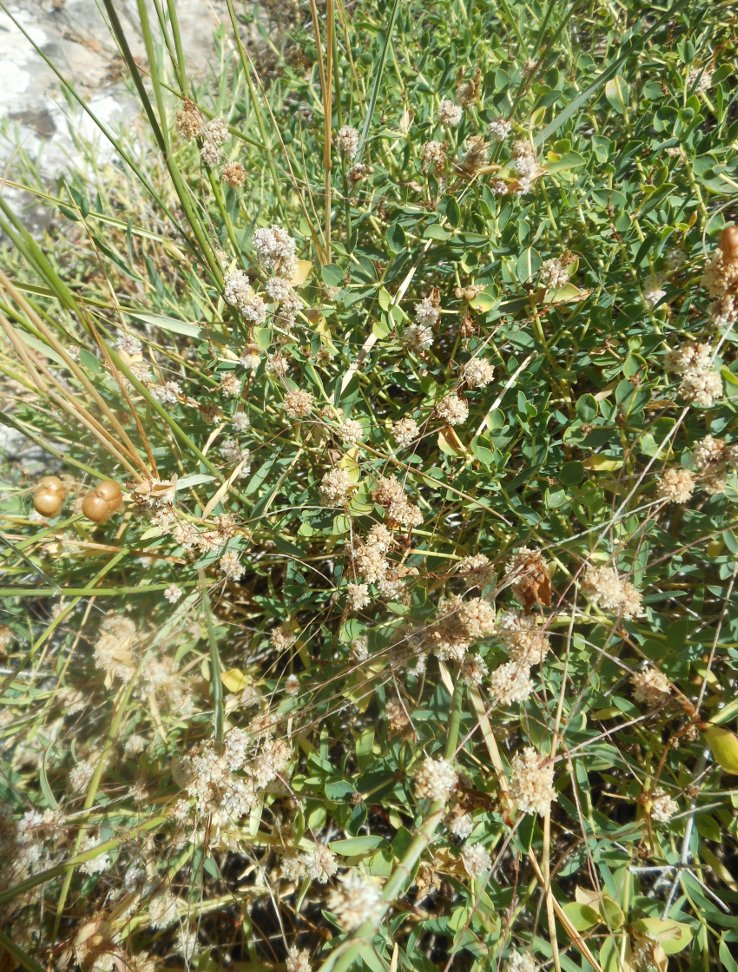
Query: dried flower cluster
<point x="721" y="276"/>
<point x="527" y="574"/>
<point x="390" y="493"/>
<point x="676" y="485"/>
<point x="226" y="785"/>
<point x="651" y="686"/>
<point x="424" y="479"/>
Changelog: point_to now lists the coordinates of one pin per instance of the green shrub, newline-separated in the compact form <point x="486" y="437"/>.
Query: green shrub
<point x="410" y="640"/>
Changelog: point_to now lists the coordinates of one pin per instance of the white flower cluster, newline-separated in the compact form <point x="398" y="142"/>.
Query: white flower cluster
<point x="553" y="273"/>
<point x="286" y="298"/>
<point x="510" y="683"/>
<point x="405" y="431"/>
<point x="449" y="113"/>
<point x="452" y="410"/>
<point x="356" y="900"/>
<point x="499" y="129"/>
<point x="520" y="962"/>
<point x="663" y="806"/>
<point x="435" y="779"/>
<point x="276" y="249"/>
<point x="477" y="373"/>
<point x="417" y="337"/>
<point x="335" y="487"/>
<point x="240" y="294"/>
<point x="227" y="784"/>
<point x="714" y="459"/>
<point x="434" y="156"/>
<point x="476" y="860"/>
<point x="531" y="782"/>
<point x="347" y="141"/>
<point x="700" y="383"/>
<point x="526" y="165"/>
<point x="611" y="593"/>
<point x="427" y="312"/>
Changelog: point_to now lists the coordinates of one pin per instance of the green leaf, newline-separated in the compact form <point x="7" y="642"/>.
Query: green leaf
<point x="167" y="323"/>
<point x="617" y="92"/>
<point x="723" y="744"/>
<point x="586" y="408"/>
<point x="44" y="781"/>
<point x="356" y="846"/>
<point x="483" y="302"/>
<point x="581" y="916"/>
<point x="672" y="936"/>
<point x="380" y="328"/>
<point x="528" y="264"/>
<point x="436" y="232"/>
<point x="572" y="473"/>
<point x="332" y="275"/>
<point x="560" y="163"/>
<point x="453" y="213"/>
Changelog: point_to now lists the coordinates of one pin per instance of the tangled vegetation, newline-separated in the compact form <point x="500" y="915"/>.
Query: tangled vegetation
<point x="372" y="606"/>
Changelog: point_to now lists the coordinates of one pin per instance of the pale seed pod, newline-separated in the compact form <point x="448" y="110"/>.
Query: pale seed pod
<point x="51" y="484"/>
<point x="47" y="503"/>
<point x="109" y="490"/>
<point x="96" y="508"/>
<point x="49" y="495"/>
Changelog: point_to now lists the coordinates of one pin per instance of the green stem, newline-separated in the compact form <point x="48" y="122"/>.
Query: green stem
<point x="215" y="665"/>
<point x="120" y="710"/>
<point x="452" y="738"/>
<point x="276" y="181"/>
<point x="45" y="876"/>
<point x="344" y="956"/>
<point x="180" y="67"/>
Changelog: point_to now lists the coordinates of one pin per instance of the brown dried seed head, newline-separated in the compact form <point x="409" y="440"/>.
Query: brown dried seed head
<point x="729" y="242"/>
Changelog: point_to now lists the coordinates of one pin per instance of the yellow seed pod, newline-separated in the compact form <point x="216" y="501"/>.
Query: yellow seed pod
<point x="729" y="242"/>
<point x="96" y="508"/>
<point x="46" y="502"/>
<point x="723" y="744"/>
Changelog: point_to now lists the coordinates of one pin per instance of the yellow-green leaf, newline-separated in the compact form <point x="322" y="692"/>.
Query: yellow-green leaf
<point x="602" y="463"/>
<point x="450" y="443"/>
<point x="671" y="935"/>
<point x="302" y="273"/>
<point x="723" y="744"/>
<point x="235" y="680"/>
